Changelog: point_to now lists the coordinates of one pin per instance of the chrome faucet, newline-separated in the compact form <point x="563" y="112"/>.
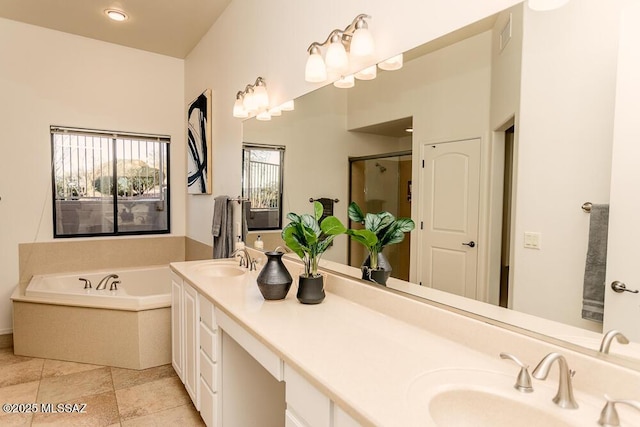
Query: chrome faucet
<point x="285" y="249"/>
<point x="609" y="415"/>
<point x="87" y="282"/>
<point x="608" y="338"/>
<point x="564" y="398"/>
<point x="105" y="280"/>
<point x="245" y="259"/>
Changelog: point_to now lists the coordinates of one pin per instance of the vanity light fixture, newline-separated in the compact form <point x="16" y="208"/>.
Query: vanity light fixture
<point x="368" y="73"/>
<point x="356" y="39"/>
<point x="116" y="15"/>
<point x="345" y="82"/>
<point x="392" y="64"/>
<point x="544" y="5"/>
<point x="254" y="100"/>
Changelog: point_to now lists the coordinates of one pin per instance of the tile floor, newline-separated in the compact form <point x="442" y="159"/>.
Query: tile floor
<point x="113" y="396"/>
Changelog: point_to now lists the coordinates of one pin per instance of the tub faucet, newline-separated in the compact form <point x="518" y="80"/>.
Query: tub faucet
<point x="608" y="338"/>
<point x="245" y="258"/>
<point x="105" y="280"/>
<point x="564" y="398"/>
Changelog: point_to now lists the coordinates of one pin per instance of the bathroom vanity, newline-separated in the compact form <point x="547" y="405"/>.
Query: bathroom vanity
<point x="365" y="356"/>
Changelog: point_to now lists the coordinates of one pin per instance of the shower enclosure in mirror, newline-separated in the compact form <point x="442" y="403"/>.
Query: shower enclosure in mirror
<point x="382" y="183"/>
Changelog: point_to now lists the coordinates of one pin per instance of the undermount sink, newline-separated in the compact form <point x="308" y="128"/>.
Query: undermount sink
<point x="219" y="269"/>
<point x="476" y="398"/>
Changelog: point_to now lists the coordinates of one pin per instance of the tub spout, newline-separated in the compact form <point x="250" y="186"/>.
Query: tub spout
<point x="105" y="280"/>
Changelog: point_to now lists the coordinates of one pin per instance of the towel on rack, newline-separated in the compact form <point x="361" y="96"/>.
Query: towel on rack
<point x="596" y="264"/>
<point x="222" y="228"/>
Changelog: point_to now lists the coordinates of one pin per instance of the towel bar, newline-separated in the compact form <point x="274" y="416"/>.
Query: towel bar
<point x="239" y="199"/>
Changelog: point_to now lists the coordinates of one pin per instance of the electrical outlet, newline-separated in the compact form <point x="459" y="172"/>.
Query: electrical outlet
<point x="531" y="240"/>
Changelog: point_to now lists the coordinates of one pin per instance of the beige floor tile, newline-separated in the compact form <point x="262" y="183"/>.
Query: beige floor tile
<point x="7" y="357"/>
<point x="125" y="378"/>
<point x="19" y="393"/>
<point x="56" y="368"/>
<point x="151" y="397"/>
<point x="183" y="416"/>
<point x="101" y="410"/>
<point x="67" y="387"/>
<point x="17" y="372"/>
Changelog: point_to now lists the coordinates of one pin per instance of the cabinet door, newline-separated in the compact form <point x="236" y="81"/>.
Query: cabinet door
<point x="191" y="342"/>
<point x="177" y="355"/>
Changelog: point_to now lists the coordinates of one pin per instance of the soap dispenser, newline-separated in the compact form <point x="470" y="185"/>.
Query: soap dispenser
<point x="258" y="244"/>
<point x="239" y="244"/>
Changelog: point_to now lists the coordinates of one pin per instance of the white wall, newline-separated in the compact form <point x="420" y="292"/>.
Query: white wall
<point x="564" y="151"/>
<point x="48" y="77"/>
<point x="269" y="39"/>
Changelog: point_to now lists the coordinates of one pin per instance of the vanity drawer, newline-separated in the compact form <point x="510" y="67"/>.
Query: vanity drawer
<point x="207" y="313"/>
<point x="208" y="342"/>
<point x="305" y="401"/>
<point x="207" y="370"/>
<point x="208" y="405"/>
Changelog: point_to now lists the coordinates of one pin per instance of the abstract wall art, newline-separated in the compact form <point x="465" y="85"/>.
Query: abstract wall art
<point x="199" y="144"/>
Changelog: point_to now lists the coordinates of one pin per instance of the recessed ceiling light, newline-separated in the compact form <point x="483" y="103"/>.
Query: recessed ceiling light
<point x="116" y="15"/>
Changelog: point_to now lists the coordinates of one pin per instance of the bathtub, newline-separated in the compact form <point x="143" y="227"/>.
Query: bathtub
<point x="56" y="318"/>
<point x="142" y="288"/>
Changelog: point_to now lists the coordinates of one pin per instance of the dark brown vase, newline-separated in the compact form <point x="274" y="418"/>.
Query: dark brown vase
<point x="274" y="280"/>
<point x="310" y="289"/>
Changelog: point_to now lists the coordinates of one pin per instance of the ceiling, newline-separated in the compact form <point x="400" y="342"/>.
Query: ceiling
<point x="167" y="27"/>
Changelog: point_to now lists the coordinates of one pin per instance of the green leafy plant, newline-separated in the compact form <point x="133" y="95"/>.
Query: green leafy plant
<point x="380" y="230"/>
<point x="309" y="239"/>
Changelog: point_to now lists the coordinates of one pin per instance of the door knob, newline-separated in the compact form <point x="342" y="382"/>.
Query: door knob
<point x="471" y="244"/>
<point x="620" y="287"/>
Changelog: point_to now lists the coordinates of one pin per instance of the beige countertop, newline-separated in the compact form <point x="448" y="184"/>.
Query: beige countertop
<point x="366" y="360"/>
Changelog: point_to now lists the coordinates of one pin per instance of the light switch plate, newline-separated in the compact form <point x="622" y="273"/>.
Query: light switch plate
<point x="531" y="240"/>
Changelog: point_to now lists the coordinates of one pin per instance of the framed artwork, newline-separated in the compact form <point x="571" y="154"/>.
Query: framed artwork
<point x="199" y="144"/>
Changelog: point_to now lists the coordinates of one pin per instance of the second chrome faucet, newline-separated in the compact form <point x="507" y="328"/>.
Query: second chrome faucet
<point x="564" y="397"/>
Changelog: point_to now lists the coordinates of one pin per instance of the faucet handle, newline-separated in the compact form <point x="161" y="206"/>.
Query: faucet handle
<point x="87" y="282"/>
<point x="114" y="285"/>
<point x="609" y="415"/>
<point x="523" y="382"/>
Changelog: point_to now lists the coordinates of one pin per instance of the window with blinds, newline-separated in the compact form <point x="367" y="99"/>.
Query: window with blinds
<point x="109" y="183"/>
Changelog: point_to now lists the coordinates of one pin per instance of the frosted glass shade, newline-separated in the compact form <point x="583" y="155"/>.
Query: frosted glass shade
<point x="288" y="106"/>
<point x="275" y="112"/>
<point x="362" y="43"/>
<point x="345" y="82"/>
<point x="315" y="71"/>
<point x="542" y="5"/>
<point x="391" y="64"/>
<point x="264" y="116"/>
<point x="261" y="97"/>
<point x="238" y="109"/>
<point x="368" y="73"/>
<point x="336" y="59"/>
<point x="249" y="103"/>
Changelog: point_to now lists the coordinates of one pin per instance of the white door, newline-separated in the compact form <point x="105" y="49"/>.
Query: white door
<point x="450" y="183"/>
<point x="622" y="310"/>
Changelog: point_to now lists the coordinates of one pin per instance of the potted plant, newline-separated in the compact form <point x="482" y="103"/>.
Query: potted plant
<point x="380" y="230"/>
<point x="309" y="239"/>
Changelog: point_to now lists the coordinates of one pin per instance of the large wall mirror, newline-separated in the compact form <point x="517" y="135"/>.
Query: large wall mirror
<point x="527" y="100"/>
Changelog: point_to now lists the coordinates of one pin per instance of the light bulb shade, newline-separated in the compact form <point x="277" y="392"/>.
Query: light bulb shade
<point x="345" y="82"/>
<point x="288" y="106"/>
<point x="263" y="116"/>
<point x="391" y="64"/>
<point x="249" y="103"/>
<point x="368" y="73"/>
<point x="275" y="111"/>
<point x="336" y="59"/>
<point x="238" y="109"/>
<point x="362" y="45"/>
<point x="260" y="96"/>
<point x="544" y="5"/>
<point x="315" y="71"/>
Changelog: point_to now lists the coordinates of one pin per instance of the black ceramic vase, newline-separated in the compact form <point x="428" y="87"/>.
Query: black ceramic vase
<point x="380" y="275"/>
<point x="274" y="280"/>
<point x="310" y="289"/>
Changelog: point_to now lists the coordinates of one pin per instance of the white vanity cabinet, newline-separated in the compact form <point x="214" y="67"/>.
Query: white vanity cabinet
<point x="195" y="344"/>
<point x="308" y="407"/>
